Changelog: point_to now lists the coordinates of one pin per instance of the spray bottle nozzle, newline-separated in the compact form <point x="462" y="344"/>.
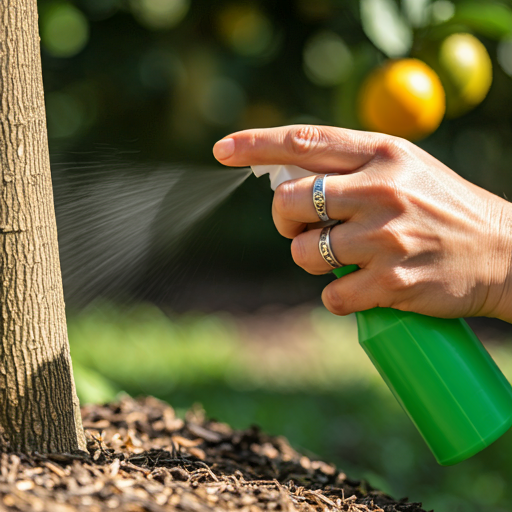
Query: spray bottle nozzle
<point x="280" y="173"/>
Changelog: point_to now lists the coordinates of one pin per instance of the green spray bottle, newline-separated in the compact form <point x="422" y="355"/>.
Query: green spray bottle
<point x="436" y="368"/>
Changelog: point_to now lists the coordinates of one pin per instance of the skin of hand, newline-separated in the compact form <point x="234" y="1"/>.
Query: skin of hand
<point x="425" y="239"/>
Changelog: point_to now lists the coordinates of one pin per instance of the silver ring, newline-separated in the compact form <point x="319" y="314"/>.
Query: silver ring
<point x="324" y="245"/>
<point x="319" y="197"/>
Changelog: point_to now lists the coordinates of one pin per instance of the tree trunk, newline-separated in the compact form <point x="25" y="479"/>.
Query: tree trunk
<point x="39" y="409"/>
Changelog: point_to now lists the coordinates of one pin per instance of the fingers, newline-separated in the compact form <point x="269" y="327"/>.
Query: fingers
<point x="347" y="243"/>
<point x="354" y="292"/>
<point x="357" y="291"/>
<point x="293" y="207"/>
<point x="316" y="148"/>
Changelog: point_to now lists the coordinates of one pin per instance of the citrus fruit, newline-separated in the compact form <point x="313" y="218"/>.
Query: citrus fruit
<point x="404" y="98"/>
<point x="465" y="69"/>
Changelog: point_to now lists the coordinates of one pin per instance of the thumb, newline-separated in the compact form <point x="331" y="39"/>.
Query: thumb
<point x="354" y="292"/>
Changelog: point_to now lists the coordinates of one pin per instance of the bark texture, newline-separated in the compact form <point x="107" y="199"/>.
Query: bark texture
<point x="39" y="409"/>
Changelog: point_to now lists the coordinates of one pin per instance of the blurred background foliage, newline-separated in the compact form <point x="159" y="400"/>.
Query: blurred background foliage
<point x="137" y="85"/>
<point x="162" y="80"/>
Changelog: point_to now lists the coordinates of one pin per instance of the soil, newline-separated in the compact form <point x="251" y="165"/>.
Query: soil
<point x="143" y="458"/>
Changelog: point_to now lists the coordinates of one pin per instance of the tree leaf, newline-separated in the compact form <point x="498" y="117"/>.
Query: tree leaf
<point x="386" y="27"/>
<point x="418" y="12"/>
<point x="490" y="19"/>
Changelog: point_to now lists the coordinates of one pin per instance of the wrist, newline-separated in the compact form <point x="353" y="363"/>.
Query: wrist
<point x="500" y="281"/>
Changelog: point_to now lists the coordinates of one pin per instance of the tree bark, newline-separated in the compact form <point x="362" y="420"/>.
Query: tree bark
<point x="39" y="409"/>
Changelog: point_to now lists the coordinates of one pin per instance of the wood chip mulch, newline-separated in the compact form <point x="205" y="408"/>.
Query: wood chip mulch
<point x="142" y="458"/>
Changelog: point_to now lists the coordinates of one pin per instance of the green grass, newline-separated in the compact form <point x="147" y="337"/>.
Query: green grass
<point x="299" y="374"/>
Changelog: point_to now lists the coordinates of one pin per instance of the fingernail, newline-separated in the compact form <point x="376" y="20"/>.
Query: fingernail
<point x="224" y="149"/>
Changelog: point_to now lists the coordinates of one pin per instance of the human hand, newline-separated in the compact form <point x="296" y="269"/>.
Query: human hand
<point x="425" y="239"/>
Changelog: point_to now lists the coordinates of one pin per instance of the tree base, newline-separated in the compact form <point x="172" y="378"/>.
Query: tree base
<point x="143" y="458"/>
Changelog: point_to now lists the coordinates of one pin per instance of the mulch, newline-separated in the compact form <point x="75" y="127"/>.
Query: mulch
<point x="143" y="458"/>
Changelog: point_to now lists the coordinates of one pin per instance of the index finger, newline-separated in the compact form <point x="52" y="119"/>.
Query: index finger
<point x="316" y="148"/>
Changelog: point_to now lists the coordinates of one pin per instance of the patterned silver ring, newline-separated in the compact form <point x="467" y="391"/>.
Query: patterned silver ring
<point x="324" y="245"/>
<point x="319" y="197"/>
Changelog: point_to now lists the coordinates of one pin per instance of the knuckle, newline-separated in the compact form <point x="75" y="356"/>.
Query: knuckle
<point x="304" y="139"/>
<point x="284" y="231"/>
<point x="389" y="193"/>
<point x="394" y="148"/>
<point x="252" y="141"/>
<point x="284" y="199"/>
<point x="394" y="240"/>
<point x="386" y="186"/>
<point x="300" y="251"/>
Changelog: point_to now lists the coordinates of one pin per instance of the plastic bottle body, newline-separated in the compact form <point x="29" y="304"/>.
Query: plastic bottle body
<point x="442" y="376"/>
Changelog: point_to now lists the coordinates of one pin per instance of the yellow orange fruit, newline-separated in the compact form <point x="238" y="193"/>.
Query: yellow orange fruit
<point x="465" y="69"/>
<point x="403" y="97"/>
